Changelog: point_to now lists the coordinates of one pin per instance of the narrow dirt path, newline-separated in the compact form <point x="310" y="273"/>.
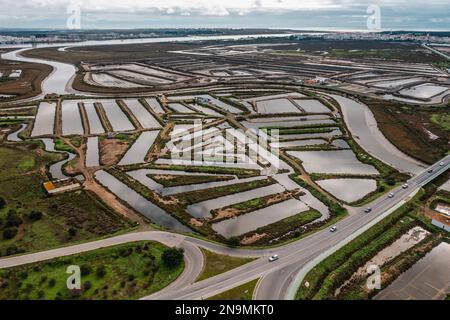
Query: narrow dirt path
<point x="102" y="193"/>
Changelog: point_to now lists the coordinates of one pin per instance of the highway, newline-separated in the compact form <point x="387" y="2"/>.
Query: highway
<point x="278" y="278"/>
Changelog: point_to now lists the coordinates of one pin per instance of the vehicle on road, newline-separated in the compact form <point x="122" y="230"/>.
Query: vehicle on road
<point x="333" y="229"/>
<point x="368" y="210"/>
<point x="273" y="258"/>
<point x="430" y="171"/>
<point x="405" y="186"/>
<point x="441" y="163"/>
<point x="391" y="195"/>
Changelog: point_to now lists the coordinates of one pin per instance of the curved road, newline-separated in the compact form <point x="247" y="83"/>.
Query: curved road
<point x="280" y="277"/>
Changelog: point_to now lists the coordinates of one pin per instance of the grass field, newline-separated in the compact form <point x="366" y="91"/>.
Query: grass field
<point x="128" y="271"/>
<point x="184" y="180"/>
<point x="442" y="120"/>
<point x="60" y="145"/>
<point x="243" y="292"/>
<point x="216" y="264"/>
<point x="62" y="219"/>
<point x="407" y="128"/>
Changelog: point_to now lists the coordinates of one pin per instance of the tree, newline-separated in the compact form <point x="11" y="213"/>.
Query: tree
<point x="85" y="270"/>
<point x="101" y="271"/>
<point x="2" y="203"/>
<point x="13" y="219"/>
<point x="35" y="215"/>
<point x="51" y="283"/>
<point x="390" y="181"/>
<point x="72" y="232"/>
<point x="234" y="241"/>
<point x="87" y="285"/>
<point x="9" y="233"/>
<point x="173" y="257"/>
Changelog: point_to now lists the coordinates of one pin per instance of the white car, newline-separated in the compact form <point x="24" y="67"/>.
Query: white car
<point x="441" y="164"/>
<point x="273" y="258"/>
<point x="333" y="229"/>
<point x="391" y="195"/>
<point x="405" y="186"/>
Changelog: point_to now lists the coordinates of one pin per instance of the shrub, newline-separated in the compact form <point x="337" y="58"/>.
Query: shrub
<point x="51" y="283"/>
<point x="101" y="271"/>
<point x="41" y="294"/>
<point x="85" y="270"/>
<point x="125" y="252"/>
<point x="234" y="241"/>
<point x="173" y="257"/>
<point x="35" y="216"/>
<point x="12" y="219"/>
<point x="2" y="203"/>
<point x="9" y="233"/>
<point x="72" y="232"/>
<point x="390" y="181"/>
<point x="87" y="285"/>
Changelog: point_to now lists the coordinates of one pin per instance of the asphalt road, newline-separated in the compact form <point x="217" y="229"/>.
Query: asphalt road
<point x="278" y="276"/>
<point x="296" y="255"/>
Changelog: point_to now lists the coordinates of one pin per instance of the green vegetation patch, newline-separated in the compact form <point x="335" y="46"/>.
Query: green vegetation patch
<point x="203" y="195"/>
<point x="243" y="292"/>
<point x="442" y="120"/>
<point x="329" y="274"/>
<point x="30" y="220"/>
<point x="216" y="264"/>
<point x="240" y="173"/>
<point x="288" y="226"/>
<point x="123" y="272"/>
<point x="60" y="145"/>
<point x="184" y="180"/>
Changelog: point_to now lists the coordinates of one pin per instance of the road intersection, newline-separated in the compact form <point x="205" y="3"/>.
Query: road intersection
<point x="279" y="277"/>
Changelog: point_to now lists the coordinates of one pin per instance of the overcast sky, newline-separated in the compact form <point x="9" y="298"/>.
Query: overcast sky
<point x="336" y="14"/>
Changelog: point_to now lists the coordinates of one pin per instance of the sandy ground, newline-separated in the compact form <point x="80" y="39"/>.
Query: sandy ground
<point x="112" y="151"/>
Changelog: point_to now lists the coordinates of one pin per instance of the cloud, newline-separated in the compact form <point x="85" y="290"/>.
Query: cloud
<point x="242" y="13"/>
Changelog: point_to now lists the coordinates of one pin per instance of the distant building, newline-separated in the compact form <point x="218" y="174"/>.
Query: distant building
<point x="317" y="80"/>
<point x="61" y="186"/>
<point x="15" y="74"/>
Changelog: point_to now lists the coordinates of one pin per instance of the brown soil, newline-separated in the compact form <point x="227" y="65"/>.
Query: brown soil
<point x="29" y="84"/>
<point x="195" y="222"/>
<point x="252" y="239"/>
<point x="102" y="193"/>
<point x="226" y="214"/>
<point x="112" y="150"/>
<point x="164" y="177"/>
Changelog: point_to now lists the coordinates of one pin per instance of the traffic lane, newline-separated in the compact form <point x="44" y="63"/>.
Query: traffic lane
<point x="230" y="251"/>
<point x="171" y="240"/>
<point x="301" y="252"/>
<point x="194" y="263"/>
<point x="274" y="285"/>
